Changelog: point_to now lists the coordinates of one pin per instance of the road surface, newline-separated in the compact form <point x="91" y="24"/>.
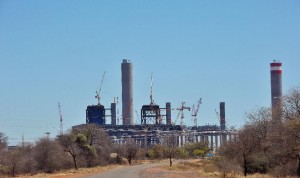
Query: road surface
<point x="126" y="172"/>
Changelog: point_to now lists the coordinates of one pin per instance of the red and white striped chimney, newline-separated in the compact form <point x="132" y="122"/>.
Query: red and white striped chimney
<point x="276" y="87"/>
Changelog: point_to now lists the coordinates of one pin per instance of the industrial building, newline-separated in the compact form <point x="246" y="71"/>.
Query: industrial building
<point x="155" y="121"/>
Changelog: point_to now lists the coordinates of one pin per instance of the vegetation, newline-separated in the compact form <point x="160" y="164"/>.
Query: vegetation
<point x="170" y="150"/>
<point x="267" y="145"/>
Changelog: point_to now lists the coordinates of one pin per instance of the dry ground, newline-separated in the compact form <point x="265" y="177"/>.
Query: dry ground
<point x="82" y="172"/>
<point x="195" y="168"/>
<point x="188" y="168"/>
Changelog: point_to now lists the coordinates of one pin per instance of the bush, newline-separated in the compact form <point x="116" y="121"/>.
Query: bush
<point x="183" y="153"/>
<point x="198" y="153"/>
<point x="156" y="152"/>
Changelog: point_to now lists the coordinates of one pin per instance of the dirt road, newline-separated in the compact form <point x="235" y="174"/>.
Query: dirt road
<point x="126" y="172"/>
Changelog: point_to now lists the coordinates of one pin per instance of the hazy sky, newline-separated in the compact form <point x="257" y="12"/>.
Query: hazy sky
<point x="57" y="50"/>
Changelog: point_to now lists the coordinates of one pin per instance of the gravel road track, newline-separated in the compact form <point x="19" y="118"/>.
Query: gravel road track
<point x="126" y="172"/>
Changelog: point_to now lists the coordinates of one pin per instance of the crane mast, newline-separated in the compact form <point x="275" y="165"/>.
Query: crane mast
<point x="60" y="118"/>
<point x="181" y="113"/>
<point x="195" y="112"/>
<point x="151" y="90"/>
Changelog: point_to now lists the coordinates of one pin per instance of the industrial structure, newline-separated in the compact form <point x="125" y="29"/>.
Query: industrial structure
<point x="276" y="88"/>
<point x="222" y="116"/>
<point x="127" y="92"/>
<point x="155" y="121"/>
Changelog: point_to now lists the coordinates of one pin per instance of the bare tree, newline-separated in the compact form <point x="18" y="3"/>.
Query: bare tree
<point x="3" y="141"/>
<point x="12" y="160"/>
<point x="169" y="141"/>
<point x="241" y="149"/>
<point x="131" y="149"/>
<point x="27" y="163"/>
<point x="291" y="115"/>
<point x="68" y="142"/>
<point x="48" y="155"/>
<point x="291" y="104"/>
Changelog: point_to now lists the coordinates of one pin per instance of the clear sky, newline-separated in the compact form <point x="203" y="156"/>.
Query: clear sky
<point x="57" y="50"/>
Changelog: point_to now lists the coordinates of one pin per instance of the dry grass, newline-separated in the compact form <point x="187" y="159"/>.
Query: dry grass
<point x="183" y="169"/>
<point x="81" y="172"/>
<point x="74" y="173"/>
<point x="203" y="168"/>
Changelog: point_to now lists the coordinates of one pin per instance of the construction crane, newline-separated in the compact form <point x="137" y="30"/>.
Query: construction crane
<point x="151" y="90"/>
<point x="60" y="118"/>
<point x="180" y="113"/>
<point x="98" y="92"/>
<point x="195" y="111"/>
<point x="218" y="116"/>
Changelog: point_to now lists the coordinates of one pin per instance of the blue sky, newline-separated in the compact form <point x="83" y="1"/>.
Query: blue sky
<point x="57" y="50"/>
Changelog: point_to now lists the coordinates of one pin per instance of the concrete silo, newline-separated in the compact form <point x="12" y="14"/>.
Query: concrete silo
<point x="127" y="92"/>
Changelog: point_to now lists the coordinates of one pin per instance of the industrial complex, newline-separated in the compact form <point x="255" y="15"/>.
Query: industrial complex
<point x="157" y="121"/>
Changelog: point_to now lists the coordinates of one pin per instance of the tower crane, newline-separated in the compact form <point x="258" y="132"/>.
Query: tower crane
<point x="60" y="118"/>
<point x="218" y="116"/>
<point x="98" y="92"/>
<point x="195" y="111"/>
<point x="180" y="113"/>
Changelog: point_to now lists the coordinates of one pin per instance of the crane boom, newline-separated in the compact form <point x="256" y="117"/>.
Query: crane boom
<point x="98" y="92"/>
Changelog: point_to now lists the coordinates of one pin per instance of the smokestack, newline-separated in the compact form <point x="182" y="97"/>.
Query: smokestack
<point x="276" y="88"/>
<point x="113" y="113"/>
<point x="127" y="92"/>
<point x="222" y="115"/>
<point x="168" y="113"/>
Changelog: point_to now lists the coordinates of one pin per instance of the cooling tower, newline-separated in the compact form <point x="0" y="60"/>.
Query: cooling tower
<point x="276" y="88"/>
<point x="127" y="92"/>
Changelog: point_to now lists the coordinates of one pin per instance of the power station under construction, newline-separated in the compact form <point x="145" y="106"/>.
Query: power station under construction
<point x="156" y="121"/>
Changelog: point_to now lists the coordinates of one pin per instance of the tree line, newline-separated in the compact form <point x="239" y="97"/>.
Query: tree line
<point x="88" y="146"/>
<point x="266" y="144"/>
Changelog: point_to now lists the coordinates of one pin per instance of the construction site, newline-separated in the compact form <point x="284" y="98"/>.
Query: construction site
<point x="156" y="121"/>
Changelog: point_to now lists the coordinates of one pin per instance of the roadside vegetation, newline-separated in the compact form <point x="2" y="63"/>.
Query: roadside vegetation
<point x="266" y="144"/>
<point x="264" y="147"/>
<point x="85" y="147"/>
